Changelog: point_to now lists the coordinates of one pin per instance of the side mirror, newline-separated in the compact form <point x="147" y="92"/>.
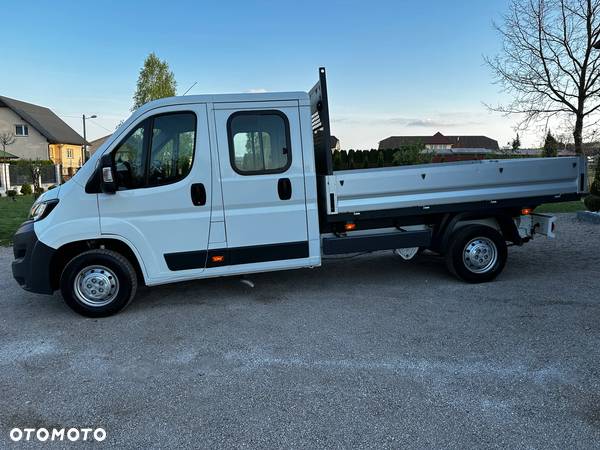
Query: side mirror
<point x="108" y="183"/>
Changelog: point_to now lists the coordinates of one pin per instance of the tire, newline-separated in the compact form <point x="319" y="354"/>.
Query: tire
<point x="98" y="283"/>
<point x="476" y="253"/>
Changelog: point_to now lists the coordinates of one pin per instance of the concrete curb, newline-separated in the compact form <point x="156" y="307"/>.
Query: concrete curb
<point x="588" y="216"/>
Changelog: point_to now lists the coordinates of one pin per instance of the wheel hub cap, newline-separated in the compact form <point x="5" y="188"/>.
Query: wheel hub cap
<point x="96" y="286"/>
<point x="480" y="255"/>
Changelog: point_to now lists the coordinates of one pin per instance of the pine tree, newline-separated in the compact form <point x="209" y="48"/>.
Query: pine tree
<point x="516" y="143"/>
<point x="550" y="146"/>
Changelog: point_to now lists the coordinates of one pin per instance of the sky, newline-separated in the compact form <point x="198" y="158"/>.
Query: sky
<point x="394" y="67"/>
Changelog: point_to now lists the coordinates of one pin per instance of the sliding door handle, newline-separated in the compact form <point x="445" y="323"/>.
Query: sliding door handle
<point x="198" y="194"/>
<point x="284" y="188"/>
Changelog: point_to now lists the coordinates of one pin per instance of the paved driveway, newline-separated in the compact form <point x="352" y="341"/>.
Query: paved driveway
<point x="367" y="351"/>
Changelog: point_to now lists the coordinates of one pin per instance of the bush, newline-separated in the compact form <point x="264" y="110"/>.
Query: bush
<point x="592" y="202"/>
<point x="409" y="155"/>
<point x="26" y="189"/>
<point x="11" y="193"/>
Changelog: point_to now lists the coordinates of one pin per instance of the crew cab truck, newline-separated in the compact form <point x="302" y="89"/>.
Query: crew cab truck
<point x="206" y="186"/>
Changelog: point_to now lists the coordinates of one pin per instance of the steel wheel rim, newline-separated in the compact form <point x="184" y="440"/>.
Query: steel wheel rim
<point x="96" y="286"/>
<point x="480" y="255"/>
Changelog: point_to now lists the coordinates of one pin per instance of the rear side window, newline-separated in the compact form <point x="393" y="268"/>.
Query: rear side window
<point x="259" y="142"/>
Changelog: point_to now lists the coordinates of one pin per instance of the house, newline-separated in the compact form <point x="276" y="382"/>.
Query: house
<point x="335" y="143"/>
<point x="94" y="145"/>
<point x="41" y="134"/>
<point x="448" y="147"/>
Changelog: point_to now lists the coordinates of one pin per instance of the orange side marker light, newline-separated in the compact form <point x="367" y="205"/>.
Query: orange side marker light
<point x="349" y="226"/>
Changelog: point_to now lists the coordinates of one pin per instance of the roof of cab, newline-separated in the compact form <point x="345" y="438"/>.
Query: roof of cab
<point x="302" y="97"/>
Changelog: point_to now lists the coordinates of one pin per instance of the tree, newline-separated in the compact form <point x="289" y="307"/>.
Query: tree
<point x="550" y="146"/>
<point x="34" y="170"/>
<point x="516" y="143"/>
<point x="155" y="81"/>
<point x="549" y="63"/>
<point x="6" y="139"/>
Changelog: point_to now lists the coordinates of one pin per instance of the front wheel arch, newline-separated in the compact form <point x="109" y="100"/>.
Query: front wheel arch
<point x="65" y="253"/>
<point x="98" y="283"/>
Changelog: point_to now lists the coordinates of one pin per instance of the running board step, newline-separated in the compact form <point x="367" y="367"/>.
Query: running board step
<point x="373" y="242"/>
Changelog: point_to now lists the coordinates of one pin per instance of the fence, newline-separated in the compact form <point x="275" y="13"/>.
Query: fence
<point x="13" y="176"/>
<point x="21" y="174"/>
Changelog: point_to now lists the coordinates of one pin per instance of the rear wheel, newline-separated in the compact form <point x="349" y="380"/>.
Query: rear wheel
<point x="476" y="253"/>
<point x="98" y="283"/>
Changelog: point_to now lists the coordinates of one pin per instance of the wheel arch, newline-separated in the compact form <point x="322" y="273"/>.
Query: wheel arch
<point x="68" y="251"/>
<point x="501" y="221"/>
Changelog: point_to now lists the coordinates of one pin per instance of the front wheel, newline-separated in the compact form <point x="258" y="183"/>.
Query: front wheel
<point x="98" y="283"/>
<point x="476" y="253"/>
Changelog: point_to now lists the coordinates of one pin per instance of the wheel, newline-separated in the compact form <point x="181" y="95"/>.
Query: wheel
<point x="98" y="283"/>
<point x="476" y="253"/>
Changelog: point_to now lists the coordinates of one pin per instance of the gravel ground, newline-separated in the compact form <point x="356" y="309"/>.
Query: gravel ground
<point x="364" y="352"/>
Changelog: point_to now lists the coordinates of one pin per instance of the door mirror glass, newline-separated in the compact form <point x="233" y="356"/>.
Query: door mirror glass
<point x="108" y="184"/>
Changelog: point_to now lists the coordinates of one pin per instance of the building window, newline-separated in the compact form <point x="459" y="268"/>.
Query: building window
<point x="69" y="153"/>
<point x="21" y="130"/>
<point x="259" y="142"/>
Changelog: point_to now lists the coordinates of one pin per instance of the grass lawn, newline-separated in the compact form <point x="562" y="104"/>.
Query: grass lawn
<point x="561" y="207"/>
<point x="12" y="214"/>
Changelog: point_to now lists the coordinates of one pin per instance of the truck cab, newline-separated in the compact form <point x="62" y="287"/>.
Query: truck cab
<point x="205" y="186"/>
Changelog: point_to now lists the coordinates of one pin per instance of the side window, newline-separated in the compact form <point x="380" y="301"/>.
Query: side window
<point x="172" y="148"/>
<point x="259" y="142"/>
<point x="130" y="160"/>
<point x="162" y="156"/>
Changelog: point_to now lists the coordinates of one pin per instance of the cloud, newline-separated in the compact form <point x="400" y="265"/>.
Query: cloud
<point x="257" y="91"/>
<point x="428" y="123"/>
<point x="411" y="122"/>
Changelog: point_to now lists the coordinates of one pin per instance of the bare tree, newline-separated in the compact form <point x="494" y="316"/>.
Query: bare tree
<point x="6" y="139"/>
<point x="549" y="63"/>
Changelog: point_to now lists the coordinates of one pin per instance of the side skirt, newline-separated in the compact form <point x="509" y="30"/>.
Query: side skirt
<point x="237" y="255"/>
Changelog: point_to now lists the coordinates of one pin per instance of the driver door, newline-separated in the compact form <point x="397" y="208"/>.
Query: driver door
<point x="162" y="205"/>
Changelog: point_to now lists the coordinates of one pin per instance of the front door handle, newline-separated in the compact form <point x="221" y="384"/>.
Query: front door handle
<point x="198" y="194"/>
<point x="284" y="188"/>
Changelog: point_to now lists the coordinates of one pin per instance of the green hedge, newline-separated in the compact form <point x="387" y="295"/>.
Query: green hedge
<point x="365" y="159"/>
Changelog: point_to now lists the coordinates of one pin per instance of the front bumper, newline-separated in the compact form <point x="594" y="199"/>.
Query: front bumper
<point x="31" y="267"/>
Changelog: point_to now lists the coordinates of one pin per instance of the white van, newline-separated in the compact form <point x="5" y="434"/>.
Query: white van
<point x="206" y="186"/>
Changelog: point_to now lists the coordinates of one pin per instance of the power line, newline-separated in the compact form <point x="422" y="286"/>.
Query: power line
<point x="101" y="126"/>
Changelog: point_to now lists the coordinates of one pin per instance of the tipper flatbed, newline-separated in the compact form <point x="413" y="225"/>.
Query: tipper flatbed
<point x="214" y="185"/>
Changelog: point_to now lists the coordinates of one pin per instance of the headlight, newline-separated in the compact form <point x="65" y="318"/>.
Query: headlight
<point x="42" y="209"/>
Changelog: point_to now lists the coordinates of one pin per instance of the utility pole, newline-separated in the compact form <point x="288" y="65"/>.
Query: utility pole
<point x="84" y="159"/>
